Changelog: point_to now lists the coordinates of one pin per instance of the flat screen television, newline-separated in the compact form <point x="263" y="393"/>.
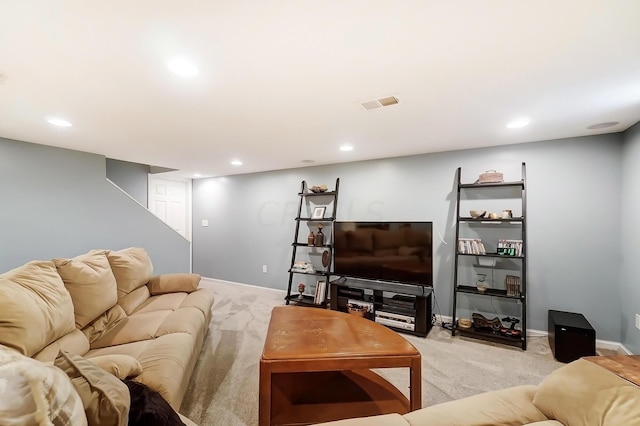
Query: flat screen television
<point x="385" y="251"/>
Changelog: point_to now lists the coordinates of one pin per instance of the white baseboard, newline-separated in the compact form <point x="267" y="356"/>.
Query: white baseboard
<point x="243" y="284"/>
<point x="601" y="344"/>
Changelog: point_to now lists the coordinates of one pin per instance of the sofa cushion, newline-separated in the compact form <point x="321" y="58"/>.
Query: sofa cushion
<point x="36" y="307"/>
<point x="90" y="282"/>
<point x="133" y="300"/>
<point x="75" y="342"/>
<point x="583" y="393"/>
<point x="382" y="420"/>
<point x="417" y="238"/>
<point x="105" y="397"/>
<point x="172" y="283"/>
<point x="120" y="365"/>
<point x="167" y="363"/>
<point x="104" y="323"/>
<point x="202" y="299"/>
<point x="409" y="251"/>
<point x="388" y="240"/>
<point x="340" y="242"/>
<point x="360" y="241"/>
<point x="35" y="393"/>
<point x="510" y="406"/>
<point x="130" y="302"/>
<point x="132" y="268"/>
<point x="132" y="329"/>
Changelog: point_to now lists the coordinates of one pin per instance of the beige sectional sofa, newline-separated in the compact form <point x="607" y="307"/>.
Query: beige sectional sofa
<point x="581" y="393"/>
<point x="106" y="305"/>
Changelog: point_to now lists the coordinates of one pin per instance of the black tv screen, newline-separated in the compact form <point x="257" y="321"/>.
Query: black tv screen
<point x="385" y="251"/>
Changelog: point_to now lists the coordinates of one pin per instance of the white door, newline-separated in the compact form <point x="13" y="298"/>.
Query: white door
<point x="170" y="200"/>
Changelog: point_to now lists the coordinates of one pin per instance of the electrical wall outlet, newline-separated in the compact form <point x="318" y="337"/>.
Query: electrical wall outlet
<point x="264" y="269"/>
<point x="205" y="222"/>
<point x="638" y="321"/>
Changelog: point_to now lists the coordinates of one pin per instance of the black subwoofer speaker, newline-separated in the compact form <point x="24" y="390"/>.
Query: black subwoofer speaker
<point x="570" y="336"/>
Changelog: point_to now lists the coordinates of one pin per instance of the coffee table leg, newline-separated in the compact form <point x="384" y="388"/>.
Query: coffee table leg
<point x="415" y="384"/>
<point x="264" y="404"/>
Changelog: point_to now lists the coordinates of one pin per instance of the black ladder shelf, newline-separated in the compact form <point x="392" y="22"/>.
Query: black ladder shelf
<point x="320" y="256"/>
<point x="510" y="291"/>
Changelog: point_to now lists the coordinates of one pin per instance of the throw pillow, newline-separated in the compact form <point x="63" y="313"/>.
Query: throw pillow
<point x="132" y="268"/>
<point x="120" y="365"/>
<point x="35" y="393"/>
<point x="149" y="408"/>
<point x="104" y="397"/>
<point x="36" y="307"/>
<point x="172" y="283"/>
<point x="92" y="286"/>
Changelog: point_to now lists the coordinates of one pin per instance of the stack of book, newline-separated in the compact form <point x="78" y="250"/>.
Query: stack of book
<point x="471" y="246"/>
<point x="513" y="285"/>
<point x="321" y="292"/>
<point x="509" y="247"/>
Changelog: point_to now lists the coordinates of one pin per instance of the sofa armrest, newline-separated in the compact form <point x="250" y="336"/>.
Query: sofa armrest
<point x="187" y="421"/>
<point x="383" y="420"/>
<point x="173" y="283"/>
<point x="511" y="406"/>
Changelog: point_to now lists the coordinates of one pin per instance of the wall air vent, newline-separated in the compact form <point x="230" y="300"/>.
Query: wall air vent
<point x="378" y="103"/>
<point x="391" y="100"/>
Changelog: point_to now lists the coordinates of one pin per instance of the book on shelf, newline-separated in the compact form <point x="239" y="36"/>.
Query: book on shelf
<point x="321" y="292"/>
<point x="512" y="283"/>
<point x="471" y="246"/>
<point x="509" y="247"/>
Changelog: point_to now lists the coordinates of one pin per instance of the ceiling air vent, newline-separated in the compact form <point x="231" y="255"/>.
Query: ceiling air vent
<point x="378" y="103"/>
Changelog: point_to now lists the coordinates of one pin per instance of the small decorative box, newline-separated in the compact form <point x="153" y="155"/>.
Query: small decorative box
<point x="491" y="176"/>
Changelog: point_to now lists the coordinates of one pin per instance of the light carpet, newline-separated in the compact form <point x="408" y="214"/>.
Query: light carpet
<point x="224" y="387"/>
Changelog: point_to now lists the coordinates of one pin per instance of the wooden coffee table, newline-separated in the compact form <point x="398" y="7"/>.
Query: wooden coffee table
<point x="315" y="368"/>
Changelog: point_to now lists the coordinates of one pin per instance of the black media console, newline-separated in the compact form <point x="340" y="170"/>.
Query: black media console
<point x="403" y="307"/>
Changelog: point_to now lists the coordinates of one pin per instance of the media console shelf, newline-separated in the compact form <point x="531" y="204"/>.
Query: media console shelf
<point x="402" y="307"/>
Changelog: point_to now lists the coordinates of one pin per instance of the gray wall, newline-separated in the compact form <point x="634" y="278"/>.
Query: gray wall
<point x="629" y="287"/>
<point x="57" y="203"/>
<point x="574" y="194"/>
<point x="133" y="178"/>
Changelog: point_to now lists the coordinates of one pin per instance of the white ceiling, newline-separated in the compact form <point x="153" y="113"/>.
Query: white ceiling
<point x="281" y="81"/>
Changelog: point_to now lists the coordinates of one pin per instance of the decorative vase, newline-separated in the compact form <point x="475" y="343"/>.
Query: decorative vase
<point x="311" y="238"/>
<point x="481" y="285"/>
<point x="319" y="241"/>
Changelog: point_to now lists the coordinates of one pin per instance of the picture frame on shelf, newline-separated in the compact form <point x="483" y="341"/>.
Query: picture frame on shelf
<point x="318" y="213"/>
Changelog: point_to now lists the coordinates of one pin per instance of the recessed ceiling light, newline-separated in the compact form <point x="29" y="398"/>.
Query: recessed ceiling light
<point x="236" y="162"/>
<point x="346" y="148"/>
<point x="520" y="122"/>
<point x="197" y="175"/>
<point x="182" y="67"/>
<point x="603" y="125"/>
<point x="58" y="122"/>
